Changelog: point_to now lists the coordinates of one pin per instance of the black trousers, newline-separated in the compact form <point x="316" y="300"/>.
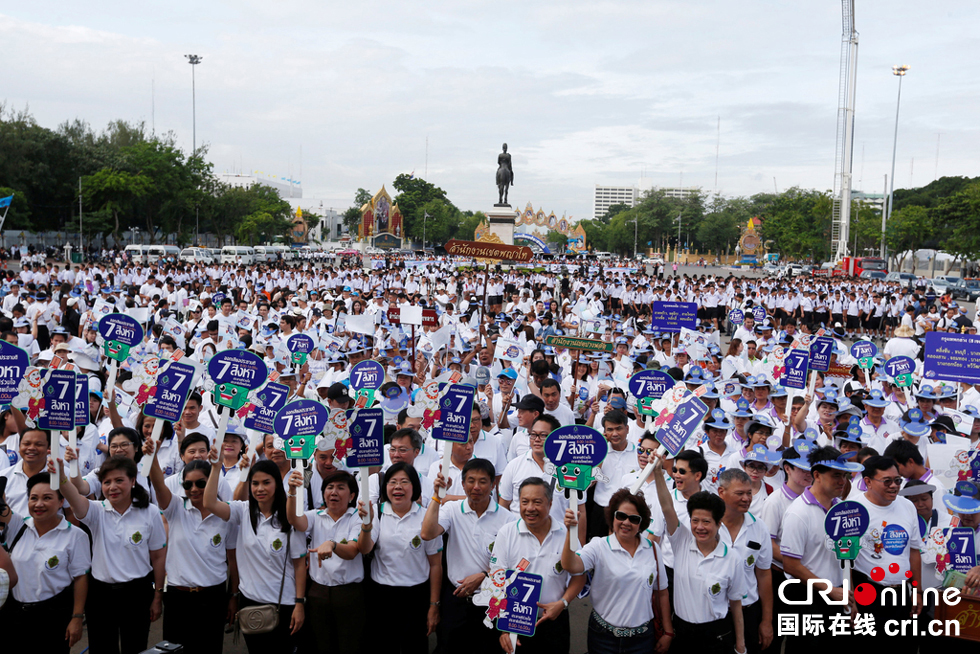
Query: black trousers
<point x="196" y="619"/>
<point x="461" y="628"/>
<point x="716" y="637"/>
<point x="337" y="617"/>
<point x="907" y="643"/>
<point x="38" y="627"/>
<point x="550" y="637"/>
<point x="407" y="609"/>
<point x="277" y="641"/>
<point x="118" y="613"/>
<point x="778" y="577"/>
<point x="809" y="643"/>
<point x="751" y="615"/>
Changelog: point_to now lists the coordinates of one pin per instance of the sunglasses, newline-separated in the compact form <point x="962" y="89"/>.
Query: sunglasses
<point x="622" y="516"/>
<point x="199" y="483"/>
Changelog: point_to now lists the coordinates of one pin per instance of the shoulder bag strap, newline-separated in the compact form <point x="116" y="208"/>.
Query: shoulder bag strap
<point x="23" y="528"/>
<point x="282" y="581"/>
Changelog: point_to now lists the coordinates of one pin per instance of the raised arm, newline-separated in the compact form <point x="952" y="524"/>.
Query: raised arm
<point x="164" y="496"/>
<point x="78" y="503"/>
<point x="300" y="523"/>
<point x="211" y="502"/>
<point x="663" y="494"/>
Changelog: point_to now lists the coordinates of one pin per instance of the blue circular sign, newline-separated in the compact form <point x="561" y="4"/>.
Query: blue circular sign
<point x="846" y="520"/>
<point x="300" y="343"/>
<point x="650" y="383"/>
<point x="899" y="366"/>
<point x="759" y="313"/>
<point x="367" y="375"/>
<point x="118" y="327"/>
<point x="239" y="367"/>
<point x="301" y="418"/>
<point x="864" y="350"/>
<point x="576" y="444"/>
<point x="736" y="316"/>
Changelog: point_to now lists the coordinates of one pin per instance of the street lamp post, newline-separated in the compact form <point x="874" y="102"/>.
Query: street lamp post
<point x="194" y="60"/>
<point x="898" y="71"/>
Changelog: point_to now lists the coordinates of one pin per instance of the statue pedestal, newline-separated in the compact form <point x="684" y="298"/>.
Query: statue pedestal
<point x="501" y="221"/>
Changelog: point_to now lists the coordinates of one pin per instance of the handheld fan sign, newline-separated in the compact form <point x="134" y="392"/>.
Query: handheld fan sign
<point x="119" y="333"/>
<point x="234" y="373"/>
<point x="845" y="524"/>
<point x="365" y="378"/>
<point x="297" y="425"/>
<point x="14" y="362"/>
<point x="58" y="411"/>
<point x="864" y="352"/>
<point x="736" y="316"/>
<point x="366" y="428"/>
<point x="577" y="452"/>
<point x="759" y="313"/>
<point x="174" y="383"/>
<point x="647" y="386"/>
<point x="300" y="346"/>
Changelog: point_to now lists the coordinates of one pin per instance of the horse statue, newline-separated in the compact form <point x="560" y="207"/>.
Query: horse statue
<point x="505" y="176"/>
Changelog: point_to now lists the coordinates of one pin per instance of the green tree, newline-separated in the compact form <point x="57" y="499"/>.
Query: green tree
<point x="718" y="232"/>
<point x="414" y="194"/>
<point x="19" y="212"/>
<point x="115" y="192"/>
<point x="906" y="229"/>
<point x="556" y="240"/>
<point x="614" y="210"/>
<point x="442" y="223"/>
<point x="958" y="217"/>
<point x="797" y="222"/>
<point x="467" y="226"/>
<point x="352" y="217"/>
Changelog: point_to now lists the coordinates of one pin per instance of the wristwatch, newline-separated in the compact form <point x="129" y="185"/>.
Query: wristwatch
<point x="299" y="600"/>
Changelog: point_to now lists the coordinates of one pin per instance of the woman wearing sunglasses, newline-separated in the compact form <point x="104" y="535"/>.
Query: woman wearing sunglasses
<point x="628" y="580"/>
<point x="195" y="603"/>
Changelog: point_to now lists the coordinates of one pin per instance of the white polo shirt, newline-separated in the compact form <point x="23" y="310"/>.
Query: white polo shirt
<point x="335" y="571"/>
<point x="704" y="585"/>
<point x="121" y="543"/>
<point x="680" y="508"/>
<point x="616" y="466"/>
<point x="16" y="491"/>
<point x="514" y="543"/>
<point x="47" y="564"/>
<point x="401" y="556"/>
<point x="525" y="467"/>
<point x="752" y="549"/>
<point x="196" y="554"/>
<point x="470" y="536"/>
<point x="893" y="530"/>
<point x="804" y="538"/>
<point x="773" y="510"/>
<point x="262" y="555"/>
<point x="622" y="585"/>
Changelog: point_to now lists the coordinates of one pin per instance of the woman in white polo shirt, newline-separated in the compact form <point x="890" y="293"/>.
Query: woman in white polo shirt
<point x="709" y="585"/>
<point x="336" y="591"/>
<point x="271" y="569"/>
<point x="51" y="557"/>
<point x="629" y="576"/>
<point x="406" y="571"/>
<point x="197" y="566"/>
<point x="128" y="558"/>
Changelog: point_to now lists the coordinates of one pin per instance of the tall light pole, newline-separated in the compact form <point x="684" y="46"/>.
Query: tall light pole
<point x="194" y="60"/>
<point x="899" y="71"/>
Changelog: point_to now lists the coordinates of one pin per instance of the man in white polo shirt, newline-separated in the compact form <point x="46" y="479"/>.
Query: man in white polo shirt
<point x="806" y="549"/>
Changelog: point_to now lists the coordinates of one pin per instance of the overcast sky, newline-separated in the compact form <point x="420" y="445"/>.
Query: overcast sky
<point x="615" y="92"/>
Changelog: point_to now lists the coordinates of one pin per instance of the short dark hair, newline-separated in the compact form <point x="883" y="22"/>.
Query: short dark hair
<point x="41" y="478"/>
<point x="410" y="434"/>
<point x="347" y="478"/>
<point x="875" y="463"/>
<point x="550" y="383"/>
<point x="203" y="466"/>
<point x="190" y="439"/>
<point x="616" y="417"/>
<point x="696" y="462"/>
<point x="195" y="397"/>
<point x="413" y="476"/>
<point x="480" y="465"/>
<point x="141" y="499"/>
<point x="132" y="435"/>
<point x="708" y="502"/>
<point x="47" y="434"/>
<point x="624" y="495"/>
<point x="902" y="451"/>
<point x="535" y="481"/>
<point x="552" y="421"/>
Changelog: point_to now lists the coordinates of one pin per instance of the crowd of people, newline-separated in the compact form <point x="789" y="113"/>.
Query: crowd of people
<point x="675" y="553"/>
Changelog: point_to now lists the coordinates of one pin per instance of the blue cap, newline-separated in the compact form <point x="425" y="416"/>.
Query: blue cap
<point x="914" y="424"/>
<point x="508" y="373"/>
<point x="961" y="504"/>
<point x="710" y="392"/>
<point x="742" y="409"/>
<point x="925" y="392"/>
<point x="762" y="454"/>
<point x="843" y="462"/>
<point x="877" y="399"/>
<point x="719" y="420"/>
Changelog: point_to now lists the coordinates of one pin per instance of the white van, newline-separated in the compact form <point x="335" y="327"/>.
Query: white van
<point x="238" y="254"/>
<point x="137" y="253"/>
<point x="196" y="255"/>
<point x="155" y="253"/>
<point x="285" y="254"/>
<point x="265" y="254"/>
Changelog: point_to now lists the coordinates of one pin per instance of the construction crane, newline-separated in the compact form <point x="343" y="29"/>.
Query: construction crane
<point x="841" y="218"/>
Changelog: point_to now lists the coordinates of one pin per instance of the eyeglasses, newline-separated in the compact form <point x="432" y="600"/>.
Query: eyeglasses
<point x="537" y="435"/>
<point x="890" y="481"/>
<point x="198" y="483"/>
<point x="116" y="447"/>
<point x="623" y="516"/>
<point x="760" y="467"/>
<point x="646" y="450"/>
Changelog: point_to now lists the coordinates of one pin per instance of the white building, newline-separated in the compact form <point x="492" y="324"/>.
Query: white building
<point x="606" y="196"/>
<point x="876" y="200"/>
<point x="677" y="193"/>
